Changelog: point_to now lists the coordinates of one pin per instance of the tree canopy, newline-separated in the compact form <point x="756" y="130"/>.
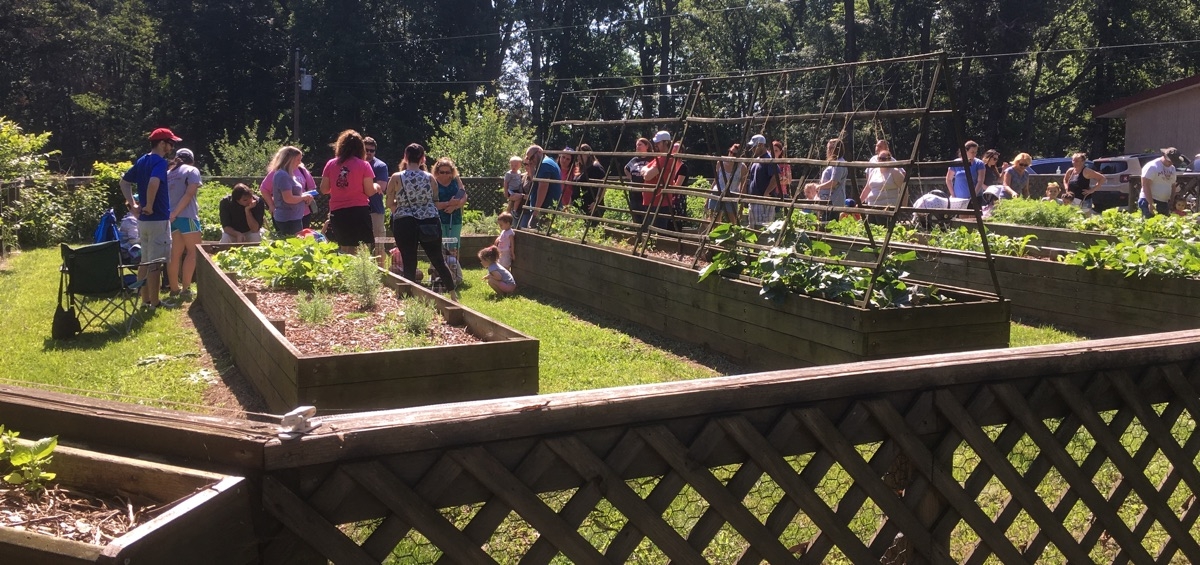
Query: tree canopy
<point x="100" y="74"/>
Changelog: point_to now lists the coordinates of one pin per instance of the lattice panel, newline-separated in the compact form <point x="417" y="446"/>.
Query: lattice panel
<point x="1031" y="471"/>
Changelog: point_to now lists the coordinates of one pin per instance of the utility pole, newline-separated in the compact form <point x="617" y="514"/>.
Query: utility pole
<point x="296" y="100"/>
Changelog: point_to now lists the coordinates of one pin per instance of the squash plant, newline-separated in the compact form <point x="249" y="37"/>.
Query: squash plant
<point x="299" y="263"/>
<point x="28" y="460"/>
<point x="784" y="269"/>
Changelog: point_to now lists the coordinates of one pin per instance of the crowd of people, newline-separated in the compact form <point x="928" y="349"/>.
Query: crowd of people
<point x="423" y="204"/>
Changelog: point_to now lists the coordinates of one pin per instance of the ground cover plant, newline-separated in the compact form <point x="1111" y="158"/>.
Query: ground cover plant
<point x="1039" y="213"/>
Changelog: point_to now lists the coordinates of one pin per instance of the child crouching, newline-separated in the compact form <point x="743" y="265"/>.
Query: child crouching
<point x="497" y="276"/>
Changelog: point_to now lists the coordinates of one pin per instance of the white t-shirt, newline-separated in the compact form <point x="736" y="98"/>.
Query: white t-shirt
<point x="1161" y="176"/>
<point x="935" y="201"/>
<point x="883" y="186"/>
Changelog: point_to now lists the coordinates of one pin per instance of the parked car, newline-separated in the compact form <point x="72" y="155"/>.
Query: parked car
<point x="1117" y="172"/>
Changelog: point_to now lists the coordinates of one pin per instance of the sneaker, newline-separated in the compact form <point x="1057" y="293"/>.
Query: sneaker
<point x="170" y="302"/>
<point x="186" y="295"/>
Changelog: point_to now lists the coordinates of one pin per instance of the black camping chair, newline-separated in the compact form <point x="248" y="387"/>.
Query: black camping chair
<point x="97" y="286"/>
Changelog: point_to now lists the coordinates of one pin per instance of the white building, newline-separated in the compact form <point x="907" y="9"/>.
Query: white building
<point x="1167" y="116"/>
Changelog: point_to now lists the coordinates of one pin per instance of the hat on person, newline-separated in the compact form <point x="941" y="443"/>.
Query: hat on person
<point x="186" y="155"/>
<point x="756" y="141"/>
<point x="164" y="134"/>
<point x="1172" y="154"/>
<point x="662" y="136"/>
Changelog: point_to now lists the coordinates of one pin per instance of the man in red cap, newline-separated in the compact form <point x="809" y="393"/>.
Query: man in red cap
<point x="149" y="174"/>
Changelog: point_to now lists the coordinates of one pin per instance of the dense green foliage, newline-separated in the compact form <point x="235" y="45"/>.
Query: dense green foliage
<point x="208" y="200"/>
<point x="1173" y="259"/>
<point x="1133" y="226"/>
<point x="249" y="154"/>
<point x="300" y="263"/>
<point x="1027" y="73"/>
<point x="961" y="238"/>
<point x="479" y="138"/>
<point x="783" y="269"/>
<point x="1039" y="213"/>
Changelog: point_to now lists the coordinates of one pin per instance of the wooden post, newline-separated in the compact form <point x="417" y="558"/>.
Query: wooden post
<point x="252" y="297"/>
<point x="281" y="325"/>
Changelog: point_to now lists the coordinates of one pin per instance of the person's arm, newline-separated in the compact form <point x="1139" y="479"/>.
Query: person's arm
<point x="252" y="220"/>
<point x="393" y="186"/>
<point x="283" y="185"/>
<point x="189" y="195"/>
<point x="324" y="188"/>
<point x="979" y="184"/>
<point x="151" y="194"/>
<point x="543" y="188"/>
<point x="226" y="215"/>
<point x="950" y="180"/>
<point x="1093" y="175"/>
<point x="369" y="187"/>
<point x="130" y="202"/>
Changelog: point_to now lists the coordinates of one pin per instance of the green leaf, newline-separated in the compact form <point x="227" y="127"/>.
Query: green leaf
<point x="42" y="448"/>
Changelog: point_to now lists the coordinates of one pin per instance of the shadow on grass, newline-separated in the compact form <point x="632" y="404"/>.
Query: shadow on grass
<point x="96" y="336"/>
<point x="242" y="390"/>
<point x="696" y="353"/>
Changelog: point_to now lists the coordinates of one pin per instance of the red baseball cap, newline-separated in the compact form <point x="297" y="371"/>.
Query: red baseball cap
<point x="164" y="134"/>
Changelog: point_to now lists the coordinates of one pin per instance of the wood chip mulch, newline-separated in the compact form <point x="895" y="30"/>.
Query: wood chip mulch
<point x="349" y="328"/>
<point x="73" y="515"/>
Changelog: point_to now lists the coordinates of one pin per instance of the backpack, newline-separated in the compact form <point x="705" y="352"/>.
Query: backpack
<point x="107" y="230"/>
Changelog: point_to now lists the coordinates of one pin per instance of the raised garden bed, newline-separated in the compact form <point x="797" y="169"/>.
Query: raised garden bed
<point x="468" y="251"/>
<point x="1046" y="237"/>
<point x="730" y="317"/>
<point x="505" y="364"/>
<point x="1091" y="302"/>
<point x="207" y="517"/>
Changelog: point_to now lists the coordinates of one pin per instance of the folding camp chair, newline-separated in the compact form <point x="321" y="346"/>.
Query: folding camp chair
<point x="97" y="287"/>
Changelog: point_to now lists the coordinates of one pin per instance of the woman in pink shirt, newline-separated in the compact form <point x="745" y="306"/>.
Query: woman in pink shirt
<point x="349" y="181"/>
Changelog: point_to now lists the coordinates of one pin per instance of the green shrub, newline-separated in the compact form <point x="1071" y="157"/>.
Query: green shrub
<point x="251" y="152"/>
<point x="419" y="314"/>
<point x="1038" y="213"/>
<point x="299" y="263"/>
<point x="208" y="199"/>
<point x="107" y="177"/>
<point x="363" y="279"/>
<point x="313" y="308"/>
<point x="475" y="222"/>
<point x="47" y="214"/>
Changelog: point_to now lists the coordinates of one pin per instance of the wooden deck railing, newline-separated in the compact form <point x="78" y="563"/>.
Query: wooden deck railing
<point x="1072" y="453"/>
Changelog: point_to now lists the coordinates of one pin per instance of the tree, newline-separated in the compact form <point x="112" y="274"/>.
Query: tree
<point x="480" y="138"/>
<point x="251" y="152"/>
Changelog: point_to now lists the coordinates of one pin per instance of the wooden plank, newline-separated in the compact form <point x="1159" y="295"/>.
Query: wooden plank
<point x="1159" y="433"/>
<point x="480" y="464"/>
<point x="1021" y="491"/>
<point x="401" y="364"/>
<point x="17" y="546"/>
<point x="483" y="525"/>
<point x="415" y="429"/>
<point x="432" y="485"/>
<point x="1130" y="470"/>
<point x="420" y="391"/>
<point x="301" y="519"/>
<point x="413" y="509"/>
<point x="618" y="493"/>
<point x="1066" y="466"/>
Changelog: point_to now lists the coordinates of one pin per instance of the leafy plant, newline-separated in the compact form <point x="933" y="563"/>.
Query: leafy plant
<point x="1039" y="213"/>
<point x="48" y="214"/>
<point x="299" y="263"/>
<point x="786" y="268"/>
<point x="208" y="200"/>
<point x="313" y="307"/>
<point x="249" y="154"/>
<point x="480" y="136"/>
<point x="1132" y="226"/>
<point x="363" y="278"/>
<point x="477" y="223"/>
<point x="1173" y="258"/>
<point x="418" y="315"/>
<point x="28" y="460"/>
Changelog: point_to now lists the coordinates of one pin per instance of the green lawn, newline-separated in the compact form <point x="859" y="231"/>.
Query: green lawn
<point x="98" y="362"/>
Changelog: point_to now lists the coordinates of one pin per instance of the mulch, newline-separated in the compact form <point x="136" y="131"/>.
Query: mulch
<point x="73" y="515"/>
<point x="349" y="328"/>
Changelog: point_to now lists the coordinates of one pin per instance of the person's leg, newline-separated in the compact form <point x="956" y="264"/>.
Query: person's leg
<point x="1162" y="207"/>
<point x="252" y="237"/>
<point x="378" y="231"/>
<point x="405" y="231"/>
<point x="156" y="248"/>
<point x="190" y="240"/>
<point x="501" y="287"/>
<point x="176" y="261"/>
<point x="433" y="250"/>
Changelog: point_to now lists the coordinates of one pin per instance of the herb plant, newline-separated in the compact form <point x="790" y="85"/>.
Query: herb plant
<point x="363" y="279"/>
<point x="28" y="460"/>
<point x="1038" y="213"/>
<point x="313" y="308"/>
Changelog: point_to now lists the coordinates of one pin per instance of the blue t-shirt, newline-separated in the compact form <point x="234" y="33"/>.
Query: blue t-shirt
<point x="149" y="166"/>
<point x="548" y="170"/>
<point x="760" y="175"/>
<point x="962" y="187"/>
<point x="375" y="202"/>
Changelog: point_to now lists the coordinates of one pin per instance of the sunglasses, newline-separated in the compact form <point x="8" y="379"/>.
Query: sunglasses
<point x="370" y="150"/>
<point x="443" y="172"/>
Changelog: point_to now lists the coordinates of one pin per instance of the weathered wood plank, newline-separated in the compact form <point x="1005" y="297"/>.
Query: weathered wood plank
<point x="310" y="526"/>
<point x="408" y="364"/>
<point x="422" y="391"/>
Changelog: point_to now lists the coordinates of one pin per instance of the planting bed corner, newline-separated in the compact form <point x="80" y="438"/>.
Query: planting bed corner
<point x="208" y="517"/>
<point x="505" y="364"/>
<point x="729" y="316"/>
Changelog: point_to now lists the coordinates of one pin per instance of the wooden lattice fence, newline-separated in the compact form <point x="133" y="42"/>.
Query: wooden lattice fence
<point x="1075" y="453"/>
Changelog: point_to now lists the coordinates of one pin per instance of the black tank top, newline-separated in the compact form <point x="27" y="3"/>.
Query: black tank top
<point x="1079" y="184"/>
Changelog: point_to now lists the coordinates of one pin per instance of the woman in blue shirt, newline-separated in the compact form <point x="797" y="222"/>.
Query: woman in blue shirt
<point x="451" y="199"/>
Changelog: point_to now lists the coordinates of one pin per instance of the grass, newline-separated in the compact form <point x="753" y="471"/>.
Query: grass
<point x="156" y="362"/>
<point x="582" y="350"/>
<point x="1021" y="335"/>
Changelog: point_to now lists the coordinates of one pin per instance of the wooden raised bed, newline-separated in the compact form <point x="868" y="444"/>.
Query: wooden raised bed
<point x="468" y="250"/>
<point x="1095" y="302"/>
<point x="209" y="519"/>
<point x="729" y="316"/>
<point x="1046" y="237"/>
<point x="505" y="365"/>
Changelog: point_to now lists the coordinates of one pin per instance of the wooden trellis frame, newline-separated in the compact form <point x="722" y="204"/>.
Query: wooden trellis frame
<point x="694" y="92"/>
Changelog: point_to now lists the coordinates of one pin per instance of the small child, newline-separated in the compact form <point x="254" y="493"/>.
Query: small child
<point x="512" y="184"/>
<point x="1053" y="193"/>
<point x="504" y="241"/>
<point x="497" y="276"/>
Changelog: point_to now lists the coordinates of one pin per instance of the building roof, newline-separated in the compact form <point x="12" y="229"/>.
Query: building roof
<point x="1116" y="108"/>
